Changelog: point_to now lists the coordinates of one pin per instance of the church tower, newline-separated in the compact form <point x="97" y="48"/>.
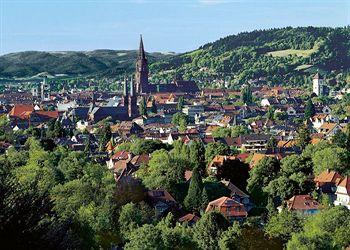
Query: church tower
<point x="318" y="84"/>
<point x="141" y="75"/>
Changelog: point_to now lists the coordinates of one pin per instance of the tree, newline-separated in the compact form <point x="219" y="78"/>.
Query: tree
<point x="180" y="120"/>
<point x="180" y="103"/>
<point x="131" y="217"/>
<point x="309" y="110"/>
<point x="239" y="130"/>
<point x="230" y="238"/>
<point x="143" y="107"/>
<point x="339" y="139"/>
<point x="209" y="229"/>
<point x="197" y="152"/>
<point x="106" y="135"/>
<point x="215" y="148"/>
<point x="333" y="158"/>
<point x="193" y="200"/>
<point x="260" y="176"/>
<point x="284" y="224"/>
<point x="247" y="96"/>
<point x="205" y="199"/>
<point x="328" y="229"/>
<point x="303" y="137"/>
<point x="221" y="132"/>
<point x="270" y="114"/>
<point x="145" y="237"/>
<point x="162" y="171"/>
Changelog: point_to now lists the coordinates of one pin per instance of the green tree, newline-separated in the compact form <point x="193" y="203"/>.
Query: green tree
<point x="326" y="230"/>
<point x="230" y="238"/>
<point x="284" y="224"/>
<point x="239" y="130"/>
<point x="197" y="152"/>
<point x="215" y="148"/>
<point x="145" y="237"/>
<point x="193" y="200"/>
<point x="309" y="110"/>
<point x="247" y="96"/>
<point x="180" y="120"/>
<point x="180" y="103"/>
<point x="162" y="171"/>
<point x="303" y="137"/>
<point x="143" y="106"/>
<point x="209" y="229"/>
<point x="333" y="158"/>
<point x="260" y="176"/>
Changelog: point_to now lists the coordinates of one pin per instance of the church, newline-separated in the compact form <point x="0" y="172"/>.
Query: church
<point x="144" y="87"/>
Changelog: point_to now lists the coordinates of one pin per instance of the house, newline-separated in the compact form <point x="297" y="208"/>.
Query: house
<point x="253" y="142"/>
<point x="327" y="181"/>
<point x="230" y="208"/>
<point x="329" y="129"/>
<point x="303" y="204"/>
<point x="217" y="162"/>
<point x="343" y="193"/>
<point x="238" y="195"/>
<point x="190" y="219"/>
<point x="162" y="201"/>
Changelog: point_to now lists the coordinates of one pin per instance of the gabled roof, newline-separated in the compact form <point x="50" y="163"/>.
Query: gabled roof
<point x="20" y="109"/>
<point x="234" y="190"/>
<point x="189" y="218"/>
<point x="328" y="177"/>
<point x="317" y="76"/>
<point x="345" y="183"/>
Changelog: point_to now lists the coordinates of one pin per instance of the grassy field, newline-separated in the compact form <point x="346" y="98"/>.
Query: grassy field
<point x="297" y="52"/>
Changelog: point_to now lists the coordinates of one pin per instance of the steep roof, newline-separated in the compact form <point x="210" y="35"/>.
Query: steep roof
<point x="345" y="183"/>
<point x="20" y="109"/>
<point x="328" y="177"/>
<point x="189" y="218"/>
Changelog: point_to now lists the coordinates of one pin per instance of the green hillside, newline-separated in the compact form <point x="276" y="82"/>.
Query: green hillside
<point x="281" y="56"/>
<point x="286" y="55"/>
<point x="102" y="62"/>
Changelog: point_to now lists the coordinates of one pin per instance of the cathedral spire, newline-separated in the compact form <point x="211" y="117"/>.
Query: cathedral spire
<point x="142" y="54"/>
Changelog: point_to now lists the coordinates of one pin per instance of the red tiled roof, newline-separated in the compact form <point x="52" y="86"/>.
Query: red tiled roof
<point x="228" y="207"/>
<point x="19" y="109"/>
<point x="302" y="202"/>
<point x="328" y="177"/>
<point x="189" y="218"/>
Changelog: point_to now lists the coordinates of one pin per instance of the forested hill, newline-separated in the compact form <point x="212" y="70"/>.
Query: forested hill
<point x="282" y="55"/>
<point x="102" y="62"/>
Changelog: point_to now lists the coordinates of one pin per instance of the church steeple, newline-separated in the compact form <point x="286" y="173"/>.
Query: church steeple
<point x="142" y="54"/>
<point x="141" y="76"/>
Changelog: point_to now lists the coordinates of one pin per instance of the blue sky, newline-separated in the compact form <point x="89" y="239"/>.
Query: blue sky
<point x="167" y="25"/>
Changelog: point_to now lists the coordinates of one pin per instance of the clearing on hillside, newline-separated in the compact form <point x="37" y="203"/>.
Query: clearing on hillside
<point x="297" y="52"/>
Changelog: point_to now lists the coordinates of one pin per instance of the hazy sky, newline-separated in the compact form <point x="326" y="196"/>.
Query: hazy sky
<point x="167" y="25"/>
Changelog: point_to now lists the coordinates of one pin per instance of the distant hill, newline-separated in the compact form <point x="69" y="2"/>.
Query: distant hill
<point x="280" y="56"/>
<point x="286" y="55"/>
<point x="102" y="62"/>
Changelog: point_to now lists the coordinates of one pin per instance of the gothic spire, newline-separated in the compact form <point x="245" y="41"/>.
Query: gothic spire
<point x="142" y="53"/>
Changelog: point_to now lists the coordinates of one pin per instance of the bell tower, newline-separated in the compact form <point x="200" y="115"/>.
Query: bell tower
<point x="141" y="76"/>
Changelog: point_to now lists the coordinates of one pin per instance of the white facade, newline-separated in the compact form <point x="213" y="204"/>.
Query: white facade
<point x="343" y="198"/>
<point x="317" y="86"/>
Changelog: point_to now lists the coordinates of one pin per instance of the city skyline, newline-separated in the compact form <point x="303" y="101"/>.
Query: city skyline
<point x="167" y="27"/>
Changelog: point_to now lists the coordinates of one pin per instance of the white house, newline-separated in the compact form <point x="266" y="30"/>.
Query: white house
<point x="343" y="193"/>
